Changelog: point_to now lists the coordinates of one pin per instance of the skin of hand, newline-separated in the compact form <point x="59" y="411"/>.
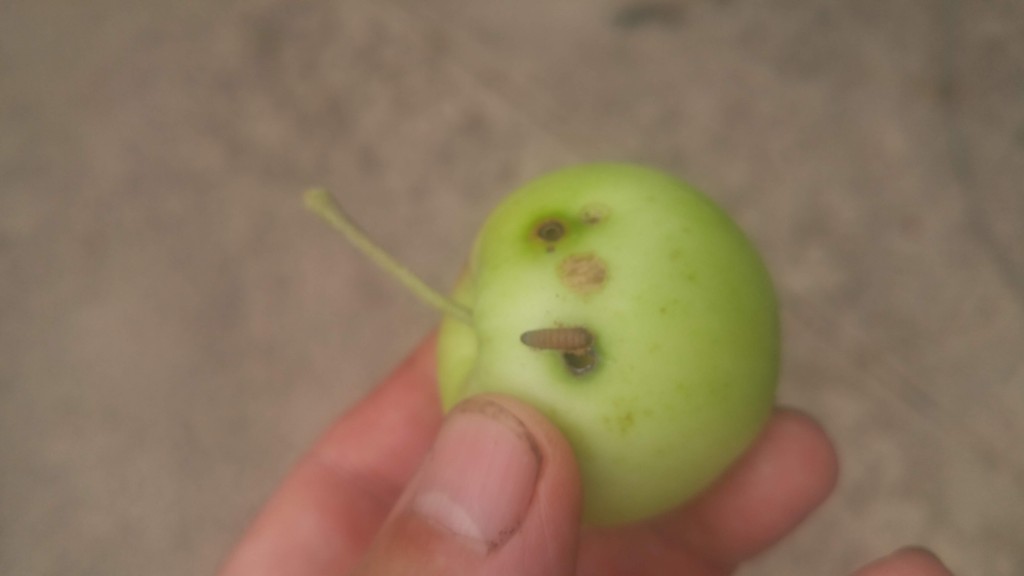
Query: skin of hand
<point x="394" y="487"/>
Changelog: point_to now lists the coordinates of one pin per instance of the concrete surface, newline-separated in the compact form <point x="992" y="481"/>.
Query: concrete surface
<point x="174" y="329"/>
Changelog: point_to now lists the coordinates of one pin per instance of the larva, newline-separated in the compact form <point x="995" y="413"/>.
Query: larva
<point x="562" y="339"/>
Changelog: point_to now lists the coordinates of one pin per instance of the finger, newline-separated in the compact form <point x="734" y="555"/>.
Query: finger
<point x="386" y="435"/>
<point x="906" y="562"/>
<point x="498" y="495"/>
<point x="787" y="473"/>
<point x="324" y="515"/>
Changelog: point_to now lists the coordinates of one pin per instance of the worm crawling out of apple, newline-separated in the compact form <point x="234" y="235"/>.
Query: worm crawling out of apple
<point x="626" y="307"/>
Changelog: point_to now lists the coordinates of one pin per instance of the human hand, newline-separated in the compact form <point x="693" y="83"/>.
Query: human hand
<point x="493" y="489"/>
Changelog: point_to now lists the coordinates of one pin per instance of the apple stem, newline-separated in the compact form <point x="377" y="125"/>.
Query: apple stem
<point x="320" y="202"/>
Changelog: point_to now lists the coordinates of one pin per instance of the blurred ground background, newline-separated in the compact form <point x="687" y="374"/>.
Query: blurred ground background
<point x="174" y="329"/>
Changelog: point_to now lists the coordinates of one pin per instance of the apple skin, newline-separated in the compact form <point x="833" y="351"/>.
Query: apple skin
<point x="682" y="312"/>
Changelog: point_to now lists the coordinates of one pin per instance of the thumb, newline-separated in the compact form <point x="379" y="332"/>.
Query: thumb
<point x="498" y="494"/>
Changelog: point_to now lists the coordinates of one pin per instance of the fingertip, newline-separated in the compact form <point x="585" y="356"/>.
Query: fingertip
<point x="810" y="439"/>
<point x="551" y="527"/>
<point x="556" y="452"/>
<point x="420" y="364"/>
<point x="546" y="541"/>
<point x="790" y="470"/>
<point x="795" y="458"/>
<point x="909" y="561"/>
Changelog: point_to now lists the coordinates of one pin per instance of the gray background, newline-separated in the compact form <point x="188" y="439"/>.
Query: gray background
<point x="175" y="329"/>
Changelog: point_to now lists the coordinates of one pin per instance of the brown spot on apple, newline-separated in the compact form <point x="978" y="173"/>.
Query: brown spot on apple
<point x="583" y="273"/>
<point x="594" y="213"/>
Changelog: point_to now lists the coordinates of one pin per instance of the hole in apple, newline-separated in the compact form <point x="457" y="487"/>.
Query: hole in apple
<point x="550" y="231"/>
<point x="580" y="362"/>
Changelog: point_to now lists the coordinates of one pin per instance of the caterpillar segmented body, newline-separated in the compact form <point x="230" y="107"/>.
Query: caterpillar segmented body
<point x="562" y="339"/>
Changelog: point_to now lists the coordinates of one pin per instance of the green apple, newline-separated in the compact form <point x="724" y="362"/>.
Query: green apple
<point x="633" y="313"/>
